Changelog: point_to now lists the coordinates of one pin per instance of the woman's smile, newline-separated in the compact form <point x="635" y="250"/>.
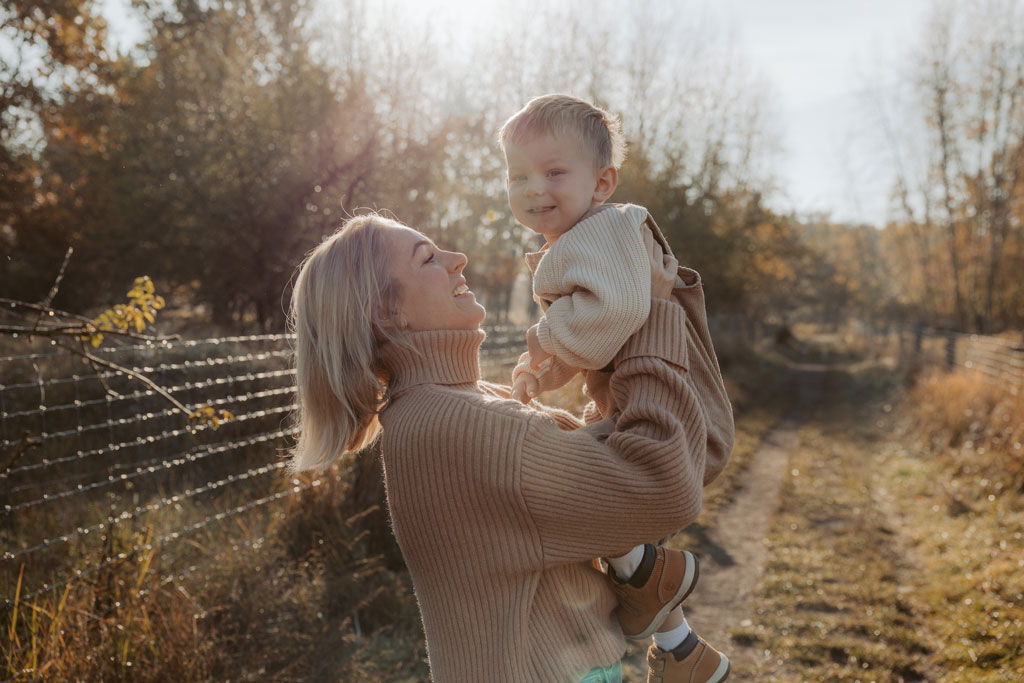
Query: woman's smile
<point x="433" y="292"/>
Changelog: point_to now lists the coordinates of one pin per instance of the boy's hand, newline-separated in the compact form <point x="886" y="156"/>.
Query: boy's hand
<point x="525" y="387"/>
<point x="537" y="354"/>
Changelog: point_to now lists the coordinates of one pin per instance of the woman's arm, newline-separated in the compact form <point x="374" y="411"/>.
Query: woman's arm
<point x="602" y="489"/>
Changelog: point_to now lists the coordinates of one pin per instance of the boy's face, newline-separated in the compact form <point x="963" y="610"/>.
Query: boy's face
<point x="552" y="181"/>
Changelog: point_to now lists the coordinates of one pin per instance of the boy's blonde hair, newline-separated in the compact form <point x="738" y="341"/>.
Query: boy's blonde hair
<point x="558" y="114"/>
<point x="343" y="293"/>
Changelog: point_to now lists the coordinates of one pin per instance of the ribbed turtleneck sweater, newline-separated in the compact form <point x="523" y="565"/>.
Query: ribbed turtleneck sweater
<point x="499" y="507"/>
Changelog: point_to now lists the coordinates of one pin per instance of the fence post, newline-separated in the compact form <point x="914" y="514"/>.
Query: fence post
<point x="951" y="349"/>
<point x="918" y="338"/>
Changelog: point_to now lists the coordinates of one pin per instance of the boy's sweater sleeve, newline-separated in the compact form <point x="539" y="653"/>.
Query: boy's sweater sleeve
<point x="605" y="286"/>
<point x="604" y="488"/>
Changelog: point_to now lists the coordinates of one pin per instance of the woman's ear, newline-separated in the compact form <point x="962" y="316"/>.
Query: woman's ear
<point x="607" y="181"/>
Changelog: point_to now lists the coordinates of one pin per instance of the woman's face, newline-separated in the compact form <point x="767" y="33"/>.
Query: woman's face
<point x="433" y="292"/>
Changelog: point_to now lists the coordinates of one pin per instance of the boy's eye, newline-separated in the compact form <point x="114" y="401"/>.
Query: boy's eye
<point x="554" y="173"/>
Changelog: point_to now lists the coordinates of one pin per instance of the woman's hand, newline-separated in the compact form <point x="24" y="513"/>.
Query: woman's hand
<point x="663" y="267"/>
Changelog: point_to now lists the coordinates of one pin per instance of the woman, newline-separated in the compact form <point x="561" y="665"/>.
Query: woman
<point x="498" y="507"/>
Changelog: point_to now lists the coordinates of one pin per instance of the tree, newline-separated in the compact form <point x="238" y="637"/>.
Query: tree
<point x="960" y="212"/>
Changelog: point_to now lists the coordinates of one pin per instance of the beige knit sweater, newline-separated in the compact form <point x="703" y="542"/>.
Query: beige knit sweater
<point x="499" y="507"/>
<point x="594" y="283"/>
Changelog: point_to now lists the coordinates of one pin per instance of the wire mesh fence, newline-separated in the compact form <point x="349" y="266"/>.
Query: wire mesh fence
<point x="1000" y="359"/>
<point x="97" y="469"/>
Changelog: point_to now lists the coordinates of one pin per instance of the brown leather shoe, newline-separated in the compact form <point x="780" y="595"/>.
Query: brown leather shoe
<point x="702" y="663"/>
<point x="643" y="609"/>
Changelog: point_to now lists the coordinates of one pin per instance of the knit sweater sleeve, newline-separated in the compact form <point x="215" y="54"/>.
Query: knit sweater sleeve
<point x="604" y="488"/>
<point x="599" y="286"/>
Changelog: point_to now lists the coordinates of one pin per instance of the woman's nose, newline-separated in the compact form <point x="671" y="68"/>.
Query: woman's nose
<point x="456" y="261"/>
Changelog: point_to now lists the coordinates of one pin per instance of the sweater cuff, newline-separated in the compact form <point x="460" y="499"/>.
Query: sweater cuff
<point x="544" y="336"/>
<point x="662" y="336"/>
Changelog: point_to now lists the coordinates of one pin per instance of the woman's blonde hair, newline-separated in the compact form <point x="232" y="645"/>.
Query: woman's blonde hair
<point x="343" y="296"/>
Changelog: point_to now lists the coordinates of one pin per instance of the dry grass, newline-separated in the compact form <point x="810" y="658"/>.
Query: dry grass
<point x="309" y="589"/>
<point x="897" y="553"/>
<point x="975" y="426"/>
<point x="308" y="603"/>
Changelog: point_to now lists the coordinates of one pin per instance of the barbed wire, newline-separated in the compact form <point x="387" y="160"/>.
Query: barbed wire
<point x="173" y="536"/>
<point x="146" y="417"/>
<point x="141" y="441"/>
<point x="192" y="456"/>
<point x="9" y="555"/>
<point x="151" y="369"/>
<point x="147" y="393"/>
<point x="498" y="331"/>
<point x="496" y="351"/>
<point x="155" y="344"/>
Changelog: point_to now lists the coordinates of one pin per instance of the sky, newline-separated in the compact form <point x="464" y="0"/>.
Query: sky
<point x="821" y="58"/>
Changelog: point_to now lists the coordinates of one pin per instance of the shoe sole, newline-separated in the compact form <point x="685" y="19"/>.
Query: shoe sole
<point x="686" y="587"/>
<point x="722" y="672"/>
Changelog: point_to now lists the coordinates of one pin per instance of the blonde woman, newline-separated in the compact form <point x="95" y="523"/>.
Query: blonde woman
<point x="498" y="507"/>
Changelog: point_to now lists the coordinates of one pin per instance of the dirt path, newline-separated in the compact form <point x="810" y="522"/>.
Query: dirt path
<point x="732" y="552"/>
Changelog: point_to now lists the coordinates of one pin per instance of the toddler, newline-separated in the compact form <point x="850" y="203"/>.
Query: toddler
<point x="592" y="280"/>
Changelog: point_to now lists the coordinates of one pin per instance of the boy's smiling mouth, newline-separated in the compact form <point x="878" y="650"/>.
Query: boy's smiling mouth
<point x="540" y="210"/>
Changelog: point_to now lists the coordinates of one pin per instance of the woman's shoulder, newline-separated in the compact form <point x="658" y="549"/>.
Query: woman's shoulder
<point x="440" y="407"/>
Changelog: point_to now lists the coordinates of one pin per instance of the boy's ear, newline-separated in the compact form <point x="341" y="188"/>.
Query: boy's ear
<point x="607" y="181"/>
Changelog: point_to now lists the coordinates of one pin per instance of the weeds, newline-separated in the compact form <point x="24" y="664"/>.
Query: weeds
<point x="280" y="603"/>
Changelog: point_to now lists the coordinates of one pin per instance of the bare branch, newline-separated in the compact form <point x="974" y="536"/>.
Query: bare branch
<point x="131" y="373"/>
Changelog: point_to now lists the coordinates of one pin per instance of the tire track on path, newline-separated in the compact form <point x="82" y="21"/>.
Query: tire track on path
<point x="732" y="552"/>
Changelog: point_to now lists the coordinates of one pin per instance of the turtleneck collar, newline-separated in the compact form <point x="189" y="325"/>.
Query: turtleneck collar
<point x="434" y="357"/>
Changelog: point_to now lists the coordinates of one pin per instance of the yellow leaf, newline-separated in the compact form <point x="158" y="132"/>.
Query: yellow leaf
<point x="158" y="303"/>
<point x="96" y="339"/>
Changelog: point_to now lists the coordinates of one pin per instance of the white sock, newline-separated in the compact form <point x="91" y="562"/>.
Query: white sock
<point x="626" y="565"/>
<point x="673" y="638"/>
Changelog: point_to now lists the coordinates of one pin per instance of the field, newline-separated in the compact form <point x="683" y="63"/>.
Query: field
<point x="893" y="552"/>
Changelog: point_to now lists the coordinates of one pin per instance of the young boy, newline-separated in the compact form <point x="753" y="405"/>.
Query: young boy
<point x="592" y="279"/>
